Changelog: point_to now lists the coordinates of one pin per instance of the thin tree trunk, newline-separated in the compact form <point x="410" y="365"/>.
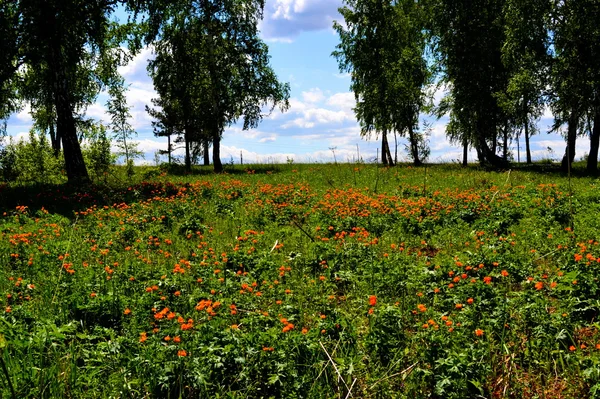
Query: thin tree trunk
<point x="569" y="156"/>
<point x="592" y="161"/>
<point x="218" y="166"/>
<point x="414" y="148"/>
<point x="396" y="148"/>
<point x="188" y="159"/>
<point x="384" y="159"/>
<point x="527" y="147"/>
<point x="169" y="148"/>
<point x="206" y="144"/>
<point x="519" y="147"/>
<point x="505" y="144"/>
<point x="389" y="154"/>
<point x="465" y="151"/>
<point x="55" y="140"/>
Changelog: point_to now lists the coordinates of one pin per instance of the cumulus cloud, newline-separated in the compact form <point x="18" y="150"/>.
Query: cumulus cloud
<point x="286" y="19"/>
<point x="310" y="112"/>
<point x="314" y="95"/>
<point x="135" y="70"/>
<point x="342" y="100"/>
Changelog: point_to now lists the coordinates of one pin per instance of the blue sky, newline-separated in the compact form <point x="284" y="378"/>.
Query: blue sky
<point x="300" y="38"/>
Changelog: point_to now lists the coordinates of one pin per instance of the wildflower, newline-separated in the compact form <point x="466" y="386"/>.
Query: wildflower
<point x="182" y="353"/>
<point x="539" y="285"/>
<point x="372" y="300"/>
<point x="504" y="273"/>
<point x="470" y="301"/>
<point x="572" y="348"/>
<point x="143" y="337"/>
<point x="479" y="332"/>
<point x="93" y="295"/>
<point x="422" y="308"/>
<point x="487" y="279"/>
<point x="177" y="339"/>
<point x="127" y="311"/>
<point x="458" y="306"/>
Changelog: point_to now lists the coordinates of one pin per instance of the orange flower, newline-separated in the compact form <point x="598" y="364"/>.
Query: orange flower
<point x="539" y="285"/>
<point x="422" y="308"/>
<point x="487" y="279"/>
<point x="458" y="306"/>
<point x="372" y="300"/>
<point x="143" y="337"/>
<point x="181" y="353"/>
<point x="177" y="339"/>
<point x="479" y="332"/>
<point x="127" y="311"/>
<point x="470" y="301"/>
<point x="504" y="273"/>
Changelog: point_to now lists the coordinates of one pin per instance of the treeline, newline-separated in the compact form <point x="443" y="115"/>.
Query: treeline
<point x="211" y="70"/>
<point x="502" y="62"/>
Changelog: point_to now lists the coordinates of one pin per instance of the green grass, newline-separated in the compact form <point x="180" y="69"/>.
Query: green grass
<point x="303" y="281"/>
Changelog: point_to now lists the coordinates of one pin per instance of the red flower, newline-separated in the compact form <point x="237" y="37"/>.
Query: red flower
<point x="372" y="300"/>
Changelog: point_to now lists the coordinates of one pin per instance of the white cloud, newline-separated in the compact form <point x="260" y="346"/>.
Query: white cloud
<point x="342" y="100"/>
<point x="136" y="68"/>
<point x="308" y="115"/>
<point x="286" y="19"/>
<point x="25" y="114"/>
<point x="314" y="95"/>
<point x="344" y="75"/>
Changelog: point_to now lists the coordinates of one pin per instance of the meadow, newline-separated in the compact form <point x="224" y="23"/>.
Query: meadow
<point x="303" y="281"/>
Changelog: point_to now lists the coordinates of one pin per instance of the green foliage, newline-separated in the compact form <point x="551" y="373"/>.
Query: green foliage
<point x="383" y="47"/>
<point x="97" y="152"/>
<point x="211" y="69"/>
<point x="31" y="160"/>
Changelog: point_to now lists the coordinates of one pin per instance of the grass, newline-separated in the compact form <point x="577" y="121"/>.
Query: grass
<point x="303" y="281"/>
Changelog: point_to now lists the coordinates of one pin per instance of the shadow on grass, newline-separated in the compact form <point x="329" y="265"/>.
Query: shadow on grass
<point x="179" y="170"/>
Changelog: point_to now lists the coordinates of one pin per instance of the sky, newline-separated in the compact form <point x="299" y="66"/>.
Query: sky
<point x="320" y="125"/>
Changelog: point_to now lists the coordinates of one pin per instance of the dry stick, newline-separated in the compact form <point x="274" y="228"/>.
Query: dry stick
<point x="302" y="230"/>
<point x="543" y="256"/>
<point x="507" y="177"/>
<point x="334" y="366"/>
<point x="324" y="367"/>
<point x="274" y="245"/>
<point x="407" y="370"/>
<point x="351" y="386"/>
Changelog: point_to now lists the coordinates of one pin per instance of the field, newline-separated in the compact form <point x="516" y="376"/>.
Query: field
<point x="303" y="281"/>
